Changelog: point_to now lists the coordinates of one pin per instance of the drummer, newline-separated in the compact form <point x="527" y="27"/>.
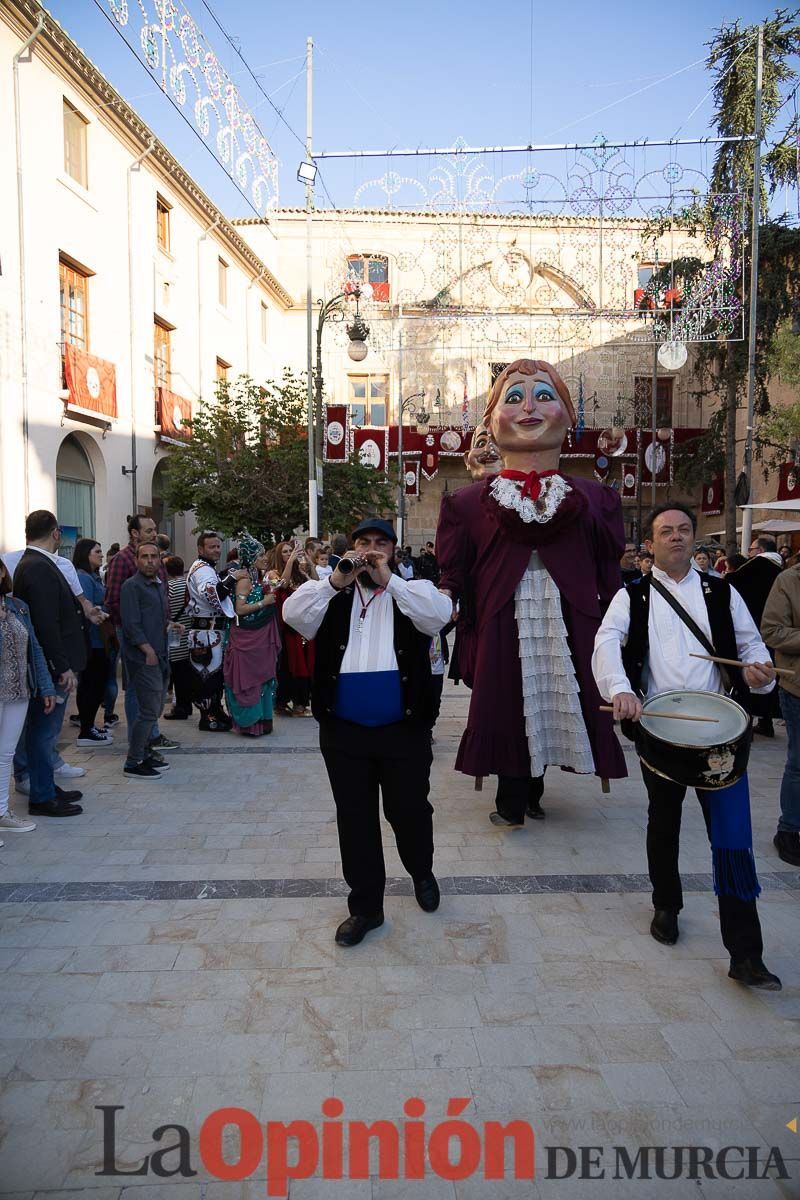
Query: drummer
<point x="642" y="648"/>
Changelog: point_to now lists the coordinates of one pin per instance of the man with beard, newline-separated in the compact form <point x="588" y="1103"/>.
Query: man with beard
<point x="210" y="608"/>
<point x="373" y="697"/>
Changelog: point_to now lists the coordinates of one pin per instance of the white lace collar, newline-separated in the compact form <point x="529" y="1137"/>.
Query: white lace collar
<point x="508" y="494"/>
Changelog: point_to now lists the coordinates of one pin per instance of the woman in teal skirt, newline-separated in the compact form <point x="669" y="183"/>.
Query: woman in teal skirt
<point x="254" y="643"/>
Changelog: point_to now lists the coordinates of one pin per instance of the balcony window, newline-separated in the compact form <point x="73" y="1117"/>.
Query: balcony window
<point x="222" y="370"/>
<point x="75" y="144"/>
<point x="162" y="223"/>
<point x="372" y="269"/>
<point x="162" y="354"/>
<point x="643" y="394"/>
<point x="368" y="399"/>
<point x="74" y="301"/>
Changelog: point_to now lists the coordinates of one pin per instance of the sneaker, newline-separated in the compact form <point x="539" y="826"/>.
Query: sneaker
<point x="164" y="743"/>
<point x="111" y="719"/>
<point x="23" y="786"/>
<point x="157" y="761"/>
<point x="93" y="739"/>
<point x="67" y="771"/>
<point x="14" y="824"/>
<point x="141" y="771"/>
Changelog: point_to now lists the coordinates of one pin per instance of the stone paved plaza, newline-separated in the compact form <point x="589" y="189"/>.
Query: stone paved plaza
<point x="171" y="951"/>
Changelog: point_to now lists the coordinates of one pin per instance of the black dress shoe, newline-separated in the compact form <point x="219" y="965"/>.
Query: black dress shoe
<point x="70" y="797"/>
<point x="427" y="893"/>
<point x="765" y="727"/>
<point x="54" y="808"/>
<point x="354" y="929"/>
<point x="788" y="846"/>
<point x="753" y="972"/>
<point x="534" y="808"/>
<point x="498" y="819"/>
<point x="664" y="926"/>
<point x="176" y="714"/>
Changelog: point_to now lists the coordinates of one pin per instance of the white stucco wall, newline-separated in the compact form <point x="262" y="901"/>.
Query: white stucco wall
<point x="92" y="227"/>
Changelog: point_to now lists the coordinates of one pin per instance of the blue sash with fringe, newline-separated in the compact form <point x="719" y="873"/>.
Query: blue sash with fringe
<point x="732" y="841"/>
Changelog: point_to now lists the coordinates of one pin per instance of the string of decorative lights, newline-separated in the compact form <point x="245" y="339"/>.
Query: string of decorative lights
<point x="175" y="51"/>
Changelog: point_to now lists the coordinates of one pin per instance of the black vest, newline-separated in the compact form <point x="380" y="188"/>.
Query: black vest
<point x="413" y="659"/>
<point x="717" y="595"/>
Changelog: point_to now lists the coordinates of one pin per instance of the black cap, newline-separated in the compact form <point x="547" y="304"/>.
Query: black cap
<point x="378" y="524"/>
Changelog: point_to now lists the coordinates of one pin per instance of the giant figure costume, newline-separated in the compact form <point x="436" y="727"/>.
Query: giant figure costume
<point x="540" y="551"/>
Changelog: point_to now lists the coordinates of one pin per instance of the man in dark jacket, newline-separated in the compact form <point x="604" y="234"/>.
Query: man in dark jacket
<point x="753" y="581"/>
<point x="58" y="625"/>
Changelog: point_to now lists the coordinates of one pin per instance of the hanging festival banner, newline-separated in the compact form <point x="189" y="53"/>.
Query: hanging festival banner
<point x="372" y="446"/>
<point x="172" y="411"/>
<point x="601" y="467"/>
<point x="657" y="462"/>
<point x="91" y="381"/>
<point x="713" y="497"/>
<point x="629" y="488"/>
<point x="789" y="482"/>
<point x="334" y="440"/>
<point x="411" y="477"/>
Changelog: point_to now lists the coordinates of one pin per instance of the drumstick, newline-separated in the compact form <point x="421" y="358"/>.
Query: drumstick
<point x="734" y="662"/>
<point x="669" y="716"/>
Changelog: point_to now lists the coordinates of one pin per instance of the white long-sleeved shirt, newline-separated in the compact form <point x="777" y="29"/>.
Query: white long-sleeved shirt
<point x="64" y="565"/>
<point x="373" y="648"/>
<point x="669" y="667"/>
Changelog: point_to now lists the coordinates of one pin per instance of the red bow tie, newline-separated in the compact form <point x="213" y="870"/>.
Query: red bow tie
<point x="531" y="483"/>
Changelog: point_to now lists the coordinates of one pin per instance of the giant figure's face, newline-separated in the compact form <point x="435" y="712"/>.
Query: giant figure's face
<point x="529" y="416"/>
<point x="482" y="458"/>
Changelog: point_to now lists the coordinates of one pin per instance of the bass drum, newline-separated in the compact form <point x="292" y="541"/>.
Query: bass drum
<point x="695" y="754"/>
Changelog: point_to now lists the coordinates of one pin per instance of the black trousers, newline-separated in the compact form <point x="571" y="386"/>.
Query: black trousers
<point x="183" y="684"/>
<point x="395" y="762"/>
<point x="91" y="688"/>
<point x="738" y="919"/>
<point x="514" y="795"/>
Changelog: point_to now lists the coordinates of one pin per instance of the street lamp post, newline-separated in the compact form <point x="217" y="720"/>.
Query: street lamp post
<point x="423" y="418"/>
<point x="357" y="332"/>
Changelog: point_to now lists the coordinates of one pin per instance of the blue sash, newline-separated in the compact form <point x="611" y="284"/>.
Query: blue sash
<point x="369" y="697"/>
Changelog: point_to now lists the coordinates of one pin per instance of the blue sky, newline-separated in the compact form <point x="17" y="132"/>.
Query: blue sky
<point x="425" y="73"/>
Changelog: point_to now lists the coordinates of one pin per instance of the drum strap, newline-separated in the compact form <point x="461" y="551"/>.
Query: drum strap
<point x="691" y="624"/>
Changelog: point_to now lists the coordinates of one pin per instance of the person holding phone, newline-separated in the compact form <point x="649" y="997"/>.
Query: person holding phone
<point x="296" y="666"/>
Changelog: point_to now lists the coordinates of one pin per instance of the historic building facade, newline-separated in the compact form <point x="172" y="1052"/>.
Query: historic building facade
<point x="125" y="292"/>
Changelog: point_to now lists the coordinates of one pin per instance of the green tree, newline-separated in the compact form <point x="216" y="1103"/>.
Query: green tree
<point x="246" y="465"/>
<point x="723" y="365"/>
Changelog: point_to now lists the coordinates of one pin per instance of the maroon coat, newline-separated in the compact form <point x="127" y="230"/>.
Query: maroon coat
<point x="584" y="563"/>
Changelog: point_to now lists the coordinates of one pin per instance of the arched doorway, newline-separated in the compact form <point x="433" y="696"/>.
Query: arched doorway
<point x="75" y="506"/>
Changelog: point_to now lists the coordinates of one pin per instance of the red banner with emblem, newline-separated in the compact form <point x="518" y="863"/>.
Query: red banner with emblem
<point x="411" y="477"/>
<point x="629" y="488"/>
<point x="173" y="410"/>
<point x="334" y="442"/>
<point x="789" y="482"/>
<point x="91" y="381"/>
<point x="713" y="497"/>
<point x="372" y="446"/>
